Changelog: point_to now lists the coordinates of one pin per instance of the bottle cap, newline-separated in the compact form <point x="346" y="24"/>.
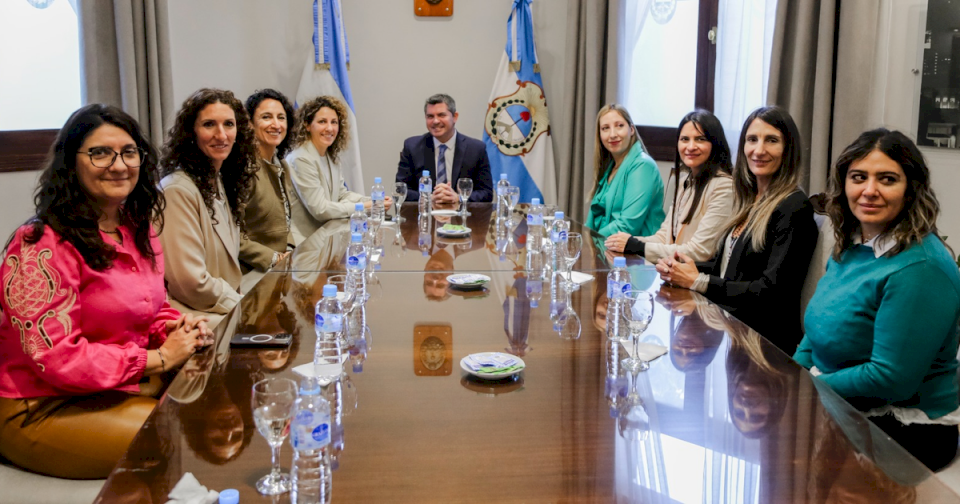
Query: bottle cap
<point x="230" y="496"/>
<point x="426" y="173"/>
<point x="533" y="303"/>
<point x="330" y="290"/>
<point x="535" y="201"/>
<point x="558" y="215"/>
<point x="356" y="238"/>
<point x="619" y="262"/>
<point x="376" y="180"/>
<point x="503" y="176"/>
<point x="358" y="207"/>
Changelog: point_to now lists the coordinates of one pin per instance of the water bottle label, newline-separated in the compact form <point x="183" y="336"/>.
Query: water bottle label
<point x="329" y="322"/>
<point x="555" y="236"/>
<point x="358" y="227"/>
<point x="357" y="261"/>
<point x="563" y="236"/>
<point x="377" y="195"/>
<point x="500" y="190"/>
<point x="304" y="417"/>
<point x="309" y="435"/>
<point x="538" y="220"/>
<point x="534" y="288"/>
<point x="426" y="187"/>
<point x="625" y="287"/>
<point x="611" y="287"/>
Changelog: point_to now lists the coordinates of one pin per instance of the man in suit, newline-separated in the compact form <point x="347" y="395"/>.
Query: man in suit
<point x="446" y="154"/>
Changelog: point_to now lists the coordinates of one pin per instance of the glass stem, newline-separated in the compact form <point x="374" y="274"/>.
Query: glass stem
<point x="636" y="347"/>
<point x="275" y="462"/>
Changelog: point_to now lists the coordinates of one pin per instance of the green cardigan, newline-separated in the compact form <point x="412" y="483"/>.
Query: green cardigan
<point x="633" y="201"/>
<point x="884" y="330"/>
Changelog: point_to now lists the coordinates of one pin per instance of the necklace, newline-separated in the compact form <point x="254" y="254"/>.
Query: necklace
<point x="114" y="232"/>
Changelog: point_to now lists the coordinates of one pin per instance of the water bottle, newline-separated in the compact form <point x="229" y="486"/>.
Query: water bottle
<point x="558" y="302"/>
<point x="558" y="235"/>
<point x="534" y="225"/>
<point x="310" y="431"/>
<point x="356" y="264"/>
<point x="618" y="280"/>
<point x="327" y="357"/>
<point x="377" y="195"/>
<point x="358" y="220"/>
<point x="425" y="234"/>
<point x="426" y="191"/>
<point x="535" y="275"/>
<point x="501" y="207"/>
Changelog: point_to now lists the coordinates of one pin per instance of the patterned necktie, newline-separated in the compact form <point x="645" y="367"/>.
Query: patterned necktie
<point x="442" y="165"/>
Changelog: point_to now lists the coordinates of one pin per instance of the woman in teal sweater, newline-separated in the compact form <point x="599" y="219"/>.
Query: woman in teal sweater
<point x="627" y="188"/>
<point x="881" y="329"/>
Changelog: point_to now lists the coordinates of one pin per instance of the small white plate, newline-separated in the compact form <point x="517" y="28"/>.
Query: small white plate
<point x="444" y="213"/>
<point x="468" y="280"/>
<point x="443" y="232"/>
<point x="492" y="376"/>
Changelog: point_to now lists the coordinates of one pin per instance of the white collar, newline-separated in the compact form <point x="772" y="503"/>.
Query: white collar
<point x="451" y="144"/>
<point x="881" y="244"/>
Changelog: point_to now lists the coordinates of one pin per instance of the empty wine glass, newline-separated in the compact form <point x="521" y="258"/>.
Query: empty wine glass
<point x="399" y="196"/>
<point x="512" y="196"/>
<point x="465" y="188"/>
<point x="570" y="251"/>
<point x="636" y="312"/>
<point x="272" y="402"/>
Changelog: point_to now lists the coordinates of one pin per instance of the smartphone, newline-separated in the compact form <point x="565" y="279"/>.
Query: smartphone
<point x="281" y="340"/>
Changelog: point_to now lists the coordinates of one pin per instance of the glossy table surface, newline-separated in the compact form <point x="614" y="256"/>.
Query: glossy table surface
<point x="723" y="417"/>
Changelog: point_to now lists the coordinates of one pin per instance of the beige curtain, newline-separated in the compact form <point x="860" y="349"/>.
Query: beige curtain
<point x="590" y="78"/>
<point x="822" y="63"/>
<point x="125" y="50"/>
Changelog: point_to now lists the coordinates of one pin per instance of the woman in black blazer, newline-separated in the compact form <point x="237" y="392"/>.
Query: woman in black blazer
<point x="758" y="272"/>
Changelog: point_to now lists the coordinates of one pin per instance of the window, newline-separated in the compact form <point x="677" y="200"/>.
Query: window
<point x="667" y="61"/>
<point x="40" y="88"/>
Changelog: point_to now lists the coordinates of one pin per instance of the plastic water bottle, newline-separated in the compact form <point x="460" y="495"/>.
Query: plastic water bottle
<point x="502" y="185"/>
<point x="356" y="265"/>
<point x="377" y="194"/>
<point x="534" y="225"/>
<point x="310" y="431"/>
<point x="618" y="280"/>
<point x="558" y="302"/>
<point x="426" y="190"/>
<point x="535" y="276"/>
<point x="558" y="235"/>
<point x="424" y="234"/>
<point x="327" y="358"/>
<point x="358" y="219"/>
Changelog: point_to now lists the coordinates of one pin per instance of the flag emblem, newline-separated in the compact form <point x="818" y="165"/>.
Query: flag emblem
<point x="516" y="121"/>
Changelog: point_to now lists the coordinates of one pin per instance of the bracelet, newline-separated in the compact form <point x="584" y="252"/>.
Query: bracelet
<point x="163" y="363"/>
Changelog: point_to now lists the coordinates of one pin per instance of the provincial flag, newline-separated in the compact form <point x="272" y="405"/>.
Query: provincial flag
<point x="325" y="73"/>
<point x="516" y="126"/>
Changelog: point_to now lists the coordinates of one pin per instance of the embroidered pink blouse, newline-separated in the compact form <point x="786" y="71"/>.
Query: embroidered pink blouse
<point x="67" y="329"/>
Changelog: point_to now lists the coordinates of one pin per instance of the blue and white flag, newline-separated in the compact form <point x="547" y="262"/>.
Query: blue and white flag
<point x="325" y="73"/>
<point x="517" y="127"/>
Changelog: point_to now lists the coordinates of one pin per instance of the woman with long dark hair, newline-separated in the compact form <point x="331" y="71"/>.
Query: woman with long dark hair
<point x="208" y="166"/>
<point x="758" y="270"/>
<point x="84" y="317"/>
<point x="881" y="328"/>
<point x="702" y="196"/>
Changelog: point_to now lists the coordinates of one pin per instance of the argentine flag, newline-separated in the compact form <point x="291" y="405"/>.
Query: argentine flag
<point x="516" y="126"/>
<point x="325" y="73"/>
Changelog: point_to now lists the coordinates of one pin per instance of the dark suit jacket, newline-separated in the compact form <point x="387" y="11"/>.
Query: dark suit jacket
<point x="469" y="161"/>
<point x="762" y="288"/>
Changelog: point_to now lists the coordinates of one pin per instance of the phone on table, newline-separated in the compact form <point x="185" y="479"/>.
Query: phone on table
<point x="281" y="340"/>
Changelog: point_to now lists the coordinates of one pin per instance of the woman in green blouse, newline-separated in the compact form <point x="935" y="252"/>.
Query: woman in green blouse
<point x="627" y="189"/>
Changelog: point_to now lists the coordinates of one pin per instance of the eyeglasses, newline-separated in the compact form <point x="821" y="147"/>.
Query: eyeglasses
<point x="104" y="157"/>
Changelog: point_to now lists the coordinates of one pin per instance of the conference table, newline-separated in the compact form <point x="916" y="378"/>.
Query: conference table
<point x="723" y="417"/>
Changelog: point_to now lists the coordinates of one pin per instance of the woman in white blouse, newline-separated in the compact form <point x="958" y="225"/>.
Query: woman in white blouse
<point x="317" y="174"/>
<point x="702" y="198"/>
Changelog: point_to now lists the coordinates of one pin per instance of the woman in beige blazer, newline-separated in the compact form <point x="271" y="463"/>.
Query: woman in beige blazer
<point x="268" y="214"/>
<point x="317" y="176"/>
<point x="208" y="167"/>
<point x="702" y="198"/>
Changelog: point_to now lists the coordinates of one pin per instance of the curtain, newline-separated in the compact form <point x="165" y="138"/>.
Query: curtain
<point x="590" y="77"/>
<point x="822" y="66"/>
<point x="125" y="51"/>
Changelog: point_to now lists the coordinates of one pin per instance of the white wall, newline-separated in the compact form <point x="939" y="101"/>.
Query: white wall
<point x="16" y="195"/>
<point x="397" y="59"/>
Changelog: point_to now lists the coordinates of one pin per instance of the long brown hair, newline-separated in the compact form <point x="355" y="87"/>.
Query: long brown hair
<point x="602" y="158"/>
<point x="239" y="170"/>
<point x="305" y="117"/>
<point x="718" y="164"/>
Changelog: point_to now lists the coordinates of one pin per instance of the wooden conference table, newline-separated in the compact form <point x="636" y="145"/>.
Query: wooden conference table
<point x="723" y="417"/>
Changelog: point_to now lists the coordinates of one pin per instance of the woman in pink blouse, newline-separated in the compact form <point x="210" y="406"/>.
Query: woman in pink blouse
<point x="84" y="317"/>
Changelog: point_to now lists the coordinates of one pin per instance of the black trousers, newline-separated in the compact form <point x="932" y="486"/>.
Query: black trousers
<point x="934" y="445"/>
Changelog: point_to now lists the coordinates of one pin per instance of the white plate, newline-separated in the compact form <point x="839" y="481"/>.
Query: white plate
<point x="548" y="218"/>
<point x="463" y="365"/>
<point x="444" y="213"/>
<point x="468" y="280"/>
<point x="443" y="232"/>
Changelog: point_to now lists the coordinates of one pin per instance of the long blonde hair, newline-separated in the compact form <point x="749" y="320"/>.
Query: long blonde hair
<point x="785" y="181"/>
<point x="602" y="158"/>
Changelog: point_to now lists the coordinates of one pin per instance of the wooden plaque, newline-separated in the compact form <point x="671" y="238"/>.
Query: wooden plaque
<point x="433" y="8"/>
<point x="432" y="350"/>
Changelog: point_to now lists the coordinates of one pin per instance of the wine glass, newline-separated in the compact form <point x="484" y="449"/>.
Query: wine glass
<point x="512" y="197"/>
<point x="399" y="196"/>
<point x="636" y="313"/>
<point x="570" y="251"/>
<point x="465" y="188"/>
<point x="272" y="402"/>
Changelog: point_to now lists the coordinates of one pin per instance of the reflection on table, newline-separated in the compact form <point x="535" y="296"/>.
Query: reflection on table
<point x="723" y="417"/>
